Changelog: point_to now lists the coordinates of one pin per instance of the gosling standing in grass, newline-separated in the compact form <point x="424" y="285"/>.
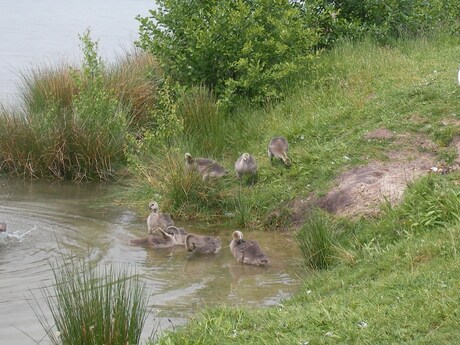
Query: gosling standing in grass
<point x="246" y="165"/>
<point x="247" y="252"/>
<point x="278" y="147"/>
<point x="205" y="166"/>
<point x="203" y="244"/>
<point x="157" y="219"/>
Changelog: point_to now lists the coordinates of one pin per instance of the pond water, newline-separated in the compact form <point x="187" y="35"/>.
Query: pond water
<point x="46" y="218"/>
<point x="45" y="32"/>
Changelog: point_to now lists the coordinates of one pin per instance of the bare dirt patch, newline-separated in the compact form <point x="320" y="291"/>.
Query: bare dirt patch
<point x="380" y="133"/>
<point x="360" y="191"/>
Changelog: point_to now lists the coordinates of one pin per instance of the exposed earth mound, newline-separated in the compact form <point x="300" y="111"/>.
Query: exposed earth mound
<point x="361" y="190"/>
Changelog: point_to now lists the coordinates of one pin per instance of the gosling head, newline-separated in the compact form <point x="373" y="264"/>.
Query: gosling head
<point x="237" y="235"/>
<point x="188" y="158"/>
<point x="245" y="156"/>
<point x="153" y="206"/>
<point x="189" y="245"/>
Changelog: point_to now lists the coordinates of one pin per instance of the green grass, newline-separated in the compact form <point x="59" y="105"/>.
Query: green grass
<point x="391" y="279"/>
<point x="104" y="305"/>
<point x="316" y="241"/>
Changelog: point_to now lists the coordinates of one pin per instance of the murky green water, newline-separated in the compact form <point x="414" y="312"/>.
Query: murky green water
<point x="46" y="218"/>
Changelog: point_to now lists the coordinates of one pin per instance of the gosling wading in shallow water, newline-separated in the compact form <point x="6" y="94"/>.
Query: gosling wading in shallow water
<point x="2" y="227"/>
<point x="205" y="166"/>
<point x="246" y="165"/>
<point x="247" y="252"/>
<point x="157" y="219"/>
<point x="179" y="234"/>
<point x="158" y="239"/>
<point x="278" y="147"/>
<point x="203" y="244"/>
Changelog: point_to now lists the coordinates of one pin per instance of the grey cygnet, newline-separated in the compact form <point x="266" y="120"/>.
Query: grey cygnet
<point x="205" y="166"/>
<point x="247" y="252"/>
<point x="157" y="219"/>
<point x="246" y="165"/>
<point x="158" y="239"/>
<point x="278" y="147"/>
<point x="203" y="244"/>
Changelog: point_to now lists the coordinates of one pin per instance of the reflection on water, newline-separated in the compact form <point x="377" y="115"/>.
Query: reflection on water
<point x="45" y="219"/>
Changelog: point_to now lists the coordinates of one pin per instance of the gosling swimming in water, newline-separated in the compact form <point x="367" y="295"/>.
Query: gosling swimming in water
<point x="157" y="219"/>
<point x="247" y="252"/>
<point x="203" y="244"/>
<point x="179" y="234"/>
<point x="158" y="239"/>
<point x="278" y="147"/>
<point x="205" y="166"/>
<point x="246" y="165"/>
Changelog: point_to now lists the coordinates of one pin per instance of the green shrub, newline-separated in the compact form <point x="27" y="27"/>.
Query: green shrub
<point x="247" y="48"/>
<point x="391" y="19"/>
<point x="93" y="305"/>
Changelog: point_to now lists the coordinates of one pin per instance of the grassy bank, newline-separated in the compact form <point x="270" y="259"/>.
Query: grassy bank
<point x="390" y="279"/>
<point x="358" y="87"/>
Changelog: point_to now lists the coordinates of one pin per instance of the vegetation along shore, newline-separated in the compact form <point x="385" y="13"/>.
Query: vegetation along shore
<point x="367" y="97"/>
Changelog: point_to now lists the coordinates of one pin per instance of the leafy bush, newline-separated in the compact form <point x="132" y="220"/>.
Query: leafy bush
<point x="247" y="48"/>
<point x="395" y="18"/>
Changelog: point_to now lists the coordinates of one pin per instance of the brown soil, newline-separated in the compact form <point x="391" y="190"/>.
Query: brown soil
<point x="361" y="191"/>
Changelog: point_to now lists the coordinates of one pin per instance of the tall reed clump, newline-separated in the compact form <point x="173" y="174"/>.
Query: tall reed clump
<point x="135" y="80"/>
<point x="316" y="241"/>
<point x="72" y="126"/>
<point x="204" y="124"/>
<point x="182" y="192"/>
<point x="93" y="306"/>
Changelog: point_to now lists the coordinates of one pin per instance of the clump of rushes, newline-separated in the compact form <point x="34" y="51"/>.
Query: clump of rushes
<point x="183" y="193"/>
<point x="204" y="124"/>
<point x="316" y="241"/>
<point x="73" y="123"/>
<point x="93" y="305"/>
<point x="44" y="85"/>
<point x="135" y="80"/>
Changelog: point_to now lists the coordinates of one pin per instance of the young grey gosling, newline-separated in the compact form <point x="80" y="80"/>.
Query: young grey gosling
<point x="247" y="252"/>
<point x="179" y="234"/>
<point x="157" y="219"/>
<point x="278" y="147"/>
<point x="203" y="244"/>
<point x="158" y="239"/>
<point x="246" y="165"/>
<point x="205" y="166"/>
